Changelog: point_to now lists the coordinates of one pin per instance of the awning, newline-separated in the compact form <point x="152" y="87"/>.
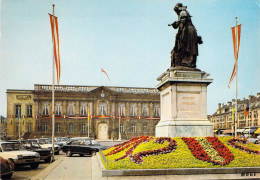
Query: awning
<point x="257" y="131"/>
<point x="251" y="131"/>
<point x="240" y="130"/>
<point x="227" y="131"/>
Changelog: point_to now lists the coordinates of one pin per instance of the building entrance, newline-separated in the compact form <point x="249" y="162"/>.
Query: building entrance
<point x="102" y="131"/>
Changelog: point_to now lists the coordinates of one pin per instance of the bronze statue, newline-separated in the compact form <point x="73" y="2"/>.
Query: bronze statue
<point x="185" y="51"/>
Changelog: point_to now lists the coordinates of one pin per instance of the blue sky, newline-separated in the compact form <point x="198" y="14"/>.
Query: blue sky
<point x="130" y="39"/>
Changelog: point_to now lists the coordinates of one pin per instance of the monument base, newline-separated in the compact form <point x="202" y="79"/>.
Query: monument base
<point x="183" y="94"/>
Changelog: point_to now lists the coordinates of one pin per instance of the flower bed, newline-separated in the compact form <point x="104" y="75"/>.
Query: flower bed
<point x="234" y="143"/>
<point x="148" y="152"/>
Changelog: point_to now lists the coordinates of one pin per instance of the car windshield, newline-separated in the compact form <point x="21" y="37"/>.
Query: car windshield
<point x="12" y="147"/>
<point x="64" y="139"/>
<point x="43" y="141"/>
<point x="35" y="144"/>
<point x="94" y="142"/>
<point x="26" y="144"/>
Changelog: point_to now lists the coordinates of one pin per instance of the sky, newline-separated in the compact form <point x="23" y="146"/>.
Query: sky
<point x="129" y="39"/>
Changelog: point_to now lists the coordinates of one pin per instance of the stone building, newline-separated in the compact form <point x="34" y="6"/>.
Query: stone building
<point x="139" y="111"/>
<point x="222" y="118"/>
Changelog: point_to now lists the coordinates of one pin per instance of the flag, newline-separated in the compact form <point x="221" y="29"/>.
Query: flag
<point x="236" y="31"/>
<point x="55" y="39"/>
<point x="88" y="114"/>
<point x="246" y="110"/>
<point x="18" y="116"/>
<point x="120" y="119"/>
<point x="102" y="70"/>
<point x="233" y="112"/>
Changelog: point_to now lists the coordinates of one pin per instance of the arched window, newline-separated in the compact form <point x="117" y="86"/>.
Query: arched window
<point x="102" y="108"/>
<point x="133" y="128"/>
<point x="133" y="109"/>
<point x="45" y="127"/>
<point x="121" y="128"/>
<point x="58" y="109"/>
<point x="45" y="109"/>
<point x="156" y="110"/>
<point x="71" y="127"/>
<point x="145" y="110"/>
<point x="84" y="109"/>
<point x="29" y="129"/>
<point x="71" y="109"/>
<point x="121" y="108"/>
<point x="83" y="127"/>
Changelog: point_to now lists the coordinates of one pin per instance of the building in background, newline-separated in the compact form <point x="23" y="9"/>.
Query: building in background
<point x="223" y="120"/>
<point x="3" y="127"/>
<point x="139" y="110"/>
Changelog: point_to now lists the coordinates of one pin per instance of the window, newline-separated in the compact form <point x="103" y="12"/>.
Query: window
<point x="71" y="109"/>
<point x="133" y="109"/>
<point x="71" y="128"/>
<point x="83" y="128"/>
<point x="102" y="108"/>
<point x="29" y="110"/>
<point x="17" y="109"/>
<point x="58" y="109"/>
<point x="45" y="127"/>
<point x="121" y="108"/>
<point x="83" y="109"/>
<point x="45" y="109"/>
<point x="121" y="128"/>
<point x="145" y="110"/>
<point x="157" y="110"/>
<point x="144" y="128"/>
<point x="29" y="129"/>
<point x="133" y="130"/>
<point x="58" y="128"/>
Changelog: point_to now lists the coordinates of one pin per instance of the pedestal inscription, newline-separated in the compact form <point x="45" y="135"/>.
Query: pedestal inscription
<point x="183" y="104"/>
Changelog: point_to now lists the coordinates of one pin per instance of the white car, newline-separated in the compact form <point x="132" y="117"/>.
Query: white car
<point x="15" y="152"/>
<point x="253" y="140"/>
<point x="47" y="144"/>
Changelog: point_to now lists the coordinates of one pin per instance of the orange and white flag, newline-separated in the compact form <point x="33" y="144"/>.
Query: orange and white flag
<point x="102" y="70"/>
<point x="236" y="31"/>
<point x="55" y="40"/>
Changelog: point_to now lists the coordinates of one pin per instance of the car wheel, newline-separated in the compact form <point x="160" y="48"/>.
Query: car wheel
<point x="93" y="153"/>
<point x="57" y="153"/>
<point x="47" y="160"/>
<point x="7" y="176"/>
<point x="68" y="154"/>
<point x="34" y="165"/>
<point x="81" y="155"/>
<point x="256" y="142"/>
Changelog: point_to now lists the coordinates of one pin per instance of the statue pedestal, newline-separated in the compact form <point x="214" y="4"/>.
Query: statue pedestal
<point x="183" y="94"/>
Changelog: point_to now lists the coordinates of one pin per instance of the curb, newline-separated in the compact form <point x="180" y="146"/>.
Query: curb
<point x="48" y="170"/>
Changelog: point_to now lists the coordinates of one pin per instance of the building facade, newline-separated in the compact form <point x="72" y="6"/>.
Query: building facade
<point x="98" y="111"/>
<point x="223" y="118"/>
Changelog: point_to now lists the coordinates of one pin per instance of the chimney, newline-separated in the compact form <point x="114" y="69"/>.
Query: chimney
<point x="219" y="105"/>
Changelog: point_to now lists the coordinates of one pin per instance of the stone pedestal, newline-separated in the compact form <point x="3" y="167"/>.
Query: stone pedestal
<point x="183" y="94"/>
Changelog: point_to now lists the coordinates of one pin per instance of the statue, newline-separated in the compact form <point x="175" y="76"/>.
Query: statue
<point x="185" y="51"/>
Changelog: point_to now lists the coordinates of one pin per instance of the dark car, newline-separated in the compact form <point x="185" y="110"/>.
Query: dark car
<point x="32" y="145"/>
<point x="82" y="146"/>
<point x="7" y="168"/>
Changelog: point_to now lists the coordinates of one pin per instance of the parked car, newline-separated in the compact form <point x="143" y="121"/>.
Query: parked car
<point x="30" y="145"/>
<point x="47" y="144"/>
<point x="7" y="168"/>
<point x="15" y="152"/>
<point x="82" y="146"/>
<point x="253" y="140"/>
<point x="61" y="141"/>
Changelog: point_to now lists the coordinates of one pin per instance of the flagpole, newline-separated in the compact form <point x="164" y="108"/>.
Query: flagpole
<point x="249" y="120"/>
<point x="119" y="134"/>
<point x="53" y="81"/>
<point x="88" y="122"/>
<point x="19" y="122"/>
<point x="236" y="118"/>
